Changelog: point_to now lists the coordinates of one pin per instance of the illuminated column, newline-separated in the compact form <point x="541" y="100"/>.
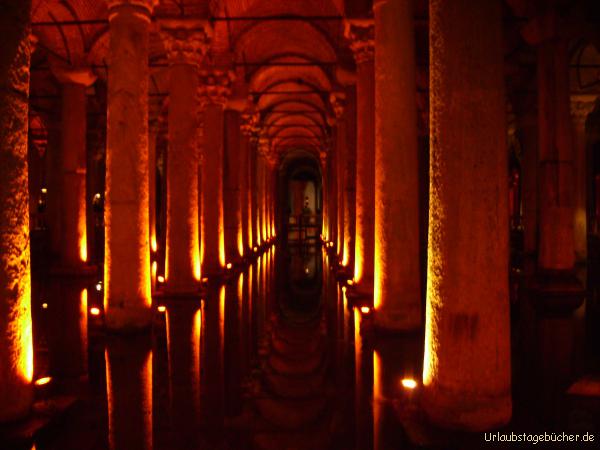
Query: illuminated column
<point x="337" y="100"/>
<point x="253" y="174"/>
<point x="186" y="42"/>
<point x="350" y="180"/>
<point x="153" y="129"/>
<point x="325" y="199"/>
<point x="332" y="194"/>
<point x="214" y="89"/>
<point x="361" y="35"/>
<point x="249" y="119"/>
<point x="397" y="293"/>
<point x="581" y="106"/>
<point x="270" y="194"/>
<point x="73" y="230"/>
<point x="127" y="248"/>
<point x="16" y="351"/>
<point x="466" y="370"/>
<point x="232" y="187"/>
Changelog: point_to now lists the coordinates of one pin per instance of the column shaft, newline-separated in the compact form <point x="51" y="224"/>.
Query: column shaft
<point x="183" y="249"/>
<point x="466" y="370"/>
<point x="127" y="248"/>
<point x="397" y="290"/>
<point x="232" y="188"/>
<point x="16" y="348"/>
<point x="350" y="179"/>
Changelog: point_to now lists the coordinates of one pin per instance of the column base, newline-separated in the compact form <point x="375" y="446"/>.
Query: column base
<point x="460" y="410"/>
<point x="127" y="320"/>
<point x="556" y="293"/>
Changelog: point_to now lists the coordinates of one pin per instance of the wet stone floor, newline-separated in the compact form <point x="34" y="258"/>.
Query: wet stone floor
<point x="276" y="359"/>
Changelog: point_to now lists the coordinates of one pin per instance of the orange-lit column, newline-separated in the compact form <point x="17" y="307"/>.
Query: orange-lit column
<point x="253" y="174"/>
<point x="337" y="100"/>
<point x="397" y="293"/>
<point x="556" y="288"/>
<point x="16" y="351"/>
<point x="270" y="194"/>
<point x="73" y="230"/>
<point x="246" y="127"/>
<point x="350" y="180"/>
<point x="232" y="184"/>
<point x="325" y="194"/>
<point x="361" y="35"/>
<point x="581" y="107"/>
<point x="332" y="194"/>
<point x="215" y="87"/>
<point x="153" y="128"/>
<point x="186" y="42"/>
<point x="127" y="296"/>
<point x="466" y="370"/>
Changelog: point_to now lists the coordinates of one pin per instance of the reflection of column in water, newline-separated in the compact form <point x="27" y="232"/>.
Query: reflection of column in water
<point x="363" y="372"/>
<point x="183" y="323"/>
<point x="211" y="380"/>
<point x="67" y="328"/>
<point x="233" y="347"/>
<point x="378" y="399"/>
<point x="129" y="392"/>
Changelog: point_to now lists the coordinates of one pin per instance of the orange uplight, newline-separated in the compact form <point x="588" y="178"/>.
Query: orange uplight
<point x="229" y="265"/>
<point x="409" y="383"/>
<point x="43" y="381"/>
<point x="255" y="249"/>
<point x="350" y="282"/>
<point x="205" y="280"/>
<point x="44" y="305"/>
<point x="161" y="279"/>
<point x="161" y="309"/>
<point x="95" y="311"/>
<point x="98" y="286"/>
<point x="365" y="309"/>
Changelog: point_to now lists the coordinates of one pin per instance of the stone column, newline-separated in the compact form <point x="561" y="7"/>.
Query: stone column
<point x="581" y="107"/>
<point x="555" y="286"/>
<point x="527" y="132"/>
<point x="361" y="35"/>
<point x="337" y="100"/>
<point x="215" y="87"/>
<point x="253" y="174"/>
<point x="324" y="189"/>
<point x="466" y="370"/>
<point x="350" y="179"/>
<point x="232" y="188"/>
<point x="153" y="128"/>
<point x="397" y="293"/>
<point x="332" y="195"/>
<point x="73" y="230"/>
<point x="249" y="119"/>
<point x="16" y="347"/>
<point x="127" y="297"/>
<point x="186" y="42"/>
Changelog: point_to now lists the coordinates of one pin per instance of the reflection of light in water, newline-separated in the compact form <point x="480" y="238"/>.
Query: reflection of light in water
<point x="377" y="399"/>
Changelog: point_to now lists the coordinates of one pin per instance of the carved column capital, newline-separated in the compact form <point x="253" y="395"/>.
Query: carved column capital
<point x="250" y="118"/>
<point x="361" y="34"/>
<point x="144" y="7"/>
<point x="186" y="40"/>
<point x="73" y="75"/>
<point x="215" y="86"/>
<point x="581" y="107"/>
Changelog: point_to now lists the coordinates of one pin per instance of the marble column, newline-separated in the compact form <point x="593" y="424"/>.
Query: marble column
<point x="249" y="119"/>
<point x="397" y="291"/>
<point x="581" y="107"/>
<point x="127" y="295"/>
<point x="555" y="287"/>
<point x="232" y="188"/>
<point x="350" y="180"/>
<point x="215" y="88"/>
<point x="253" y="174"/>
<point x="73" y="230"/>
<point x="337" y="100"/>
<point x="466" y="370"/>
<point x="16" y="348"/>
<point x="186" y="42"/>
<point x="361" y="35"/>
